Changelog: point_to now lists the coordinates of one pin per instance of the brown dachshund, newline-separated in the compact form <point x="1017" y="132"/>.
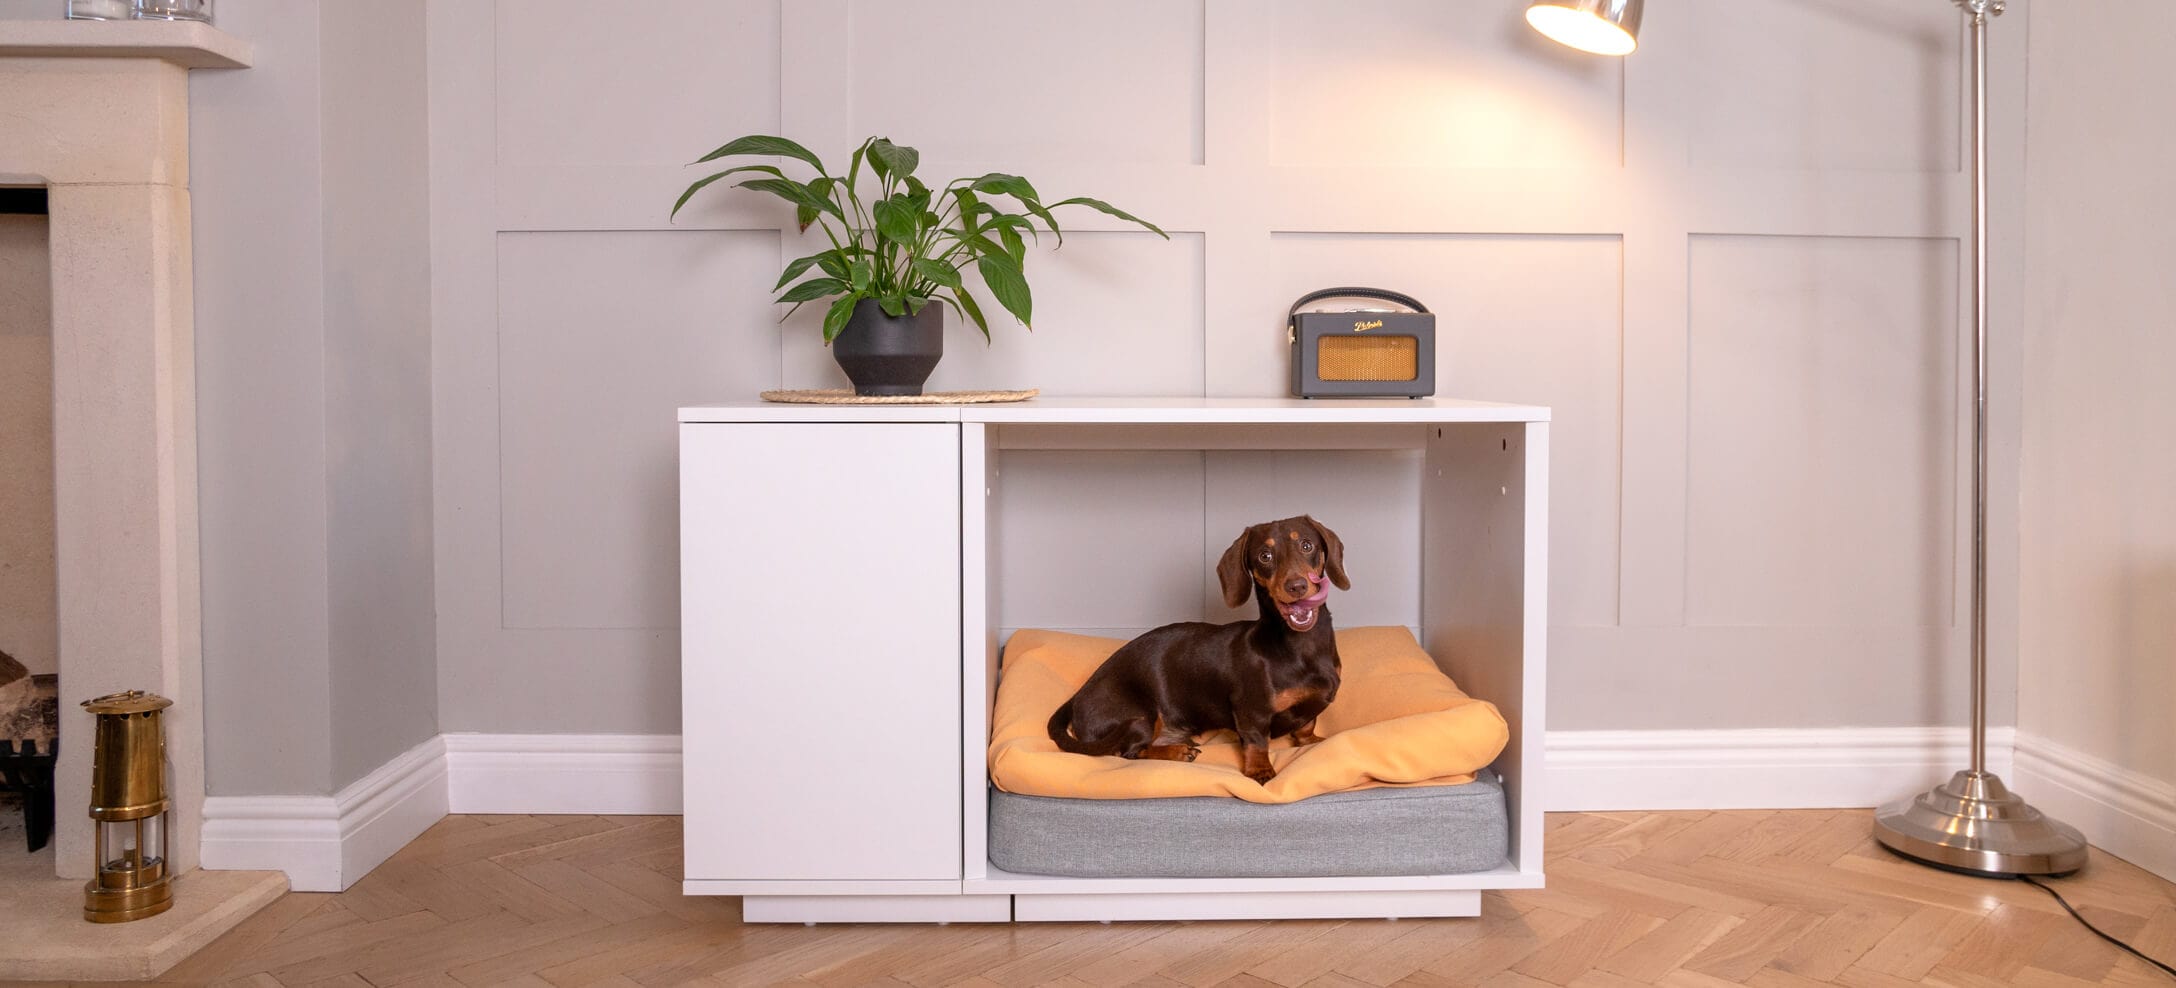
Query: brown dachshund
<point x="1159" y="693"/>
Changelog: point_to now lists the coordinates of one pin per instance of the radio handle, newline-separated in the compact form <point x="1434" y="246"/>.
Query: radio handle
<point x="1375" y="293"/>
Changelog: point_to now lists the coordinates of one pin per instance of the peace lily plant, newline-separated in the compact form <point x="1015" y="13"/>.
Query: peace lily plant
<point x="896" y="245"/>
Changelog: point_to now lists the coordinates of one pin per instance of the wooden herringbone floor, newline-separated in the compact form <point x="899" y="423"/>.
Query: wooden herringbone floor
<point x="1771" y="899"/>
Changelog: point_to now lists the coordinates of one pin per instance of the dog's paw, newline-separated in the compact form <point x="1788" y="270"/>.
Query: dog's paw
<point x="1263" y="776"/>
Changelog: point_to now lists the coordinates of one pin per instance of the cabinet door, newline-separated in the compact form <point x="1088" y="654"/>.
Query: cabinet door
<point x="820" y="650"/>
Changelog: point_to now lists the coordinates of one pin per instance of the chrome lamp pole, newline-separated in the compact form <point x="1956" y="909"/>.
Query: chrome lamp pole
<point x="1973" y="823"/>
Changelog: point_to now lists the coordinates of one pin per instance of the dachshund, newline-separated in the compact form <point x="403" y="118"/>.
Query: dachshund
<point x="1159" y="693"/>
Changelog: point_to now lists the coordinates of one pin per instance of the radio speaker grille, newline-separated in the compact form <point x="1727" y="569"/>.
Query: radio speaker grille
<point x="1367" y="358"/>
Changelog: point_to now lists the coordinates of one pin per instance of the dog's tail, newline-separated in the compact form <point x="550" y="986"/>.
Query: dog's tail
<point x="1061" y="731"/>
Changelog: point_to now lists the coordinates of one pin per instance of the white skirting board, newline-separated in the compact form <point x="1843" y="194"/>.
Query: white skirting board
<point x="1757" y="769"/>
<point x="1588" y="770"/>
<point x="2125" y="813"/>
<point x="606" y="774"/>
<point x="327" y="843"/>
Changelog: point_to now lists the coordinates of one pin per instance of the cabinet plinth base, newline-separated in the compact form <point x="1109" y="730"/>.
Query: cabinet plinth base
<point x="1105" y="907"/>
<point x="876" y="909"/>
<point x="1245" y="905"/>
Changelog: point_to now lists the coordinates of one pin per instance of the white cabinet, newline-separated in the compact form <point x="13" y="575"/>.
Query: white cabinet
<point x="820" y="603"/>
<point x="839" y="630"/>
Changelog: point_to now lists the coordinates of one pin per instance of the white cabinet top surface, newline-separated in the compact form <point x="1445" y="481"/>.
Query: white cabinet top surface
<point x="1146" y="411"/>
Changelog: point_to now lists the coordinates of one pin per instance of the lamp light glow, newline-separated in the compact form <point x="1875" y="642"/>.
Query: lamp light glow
<point x="1604" y="27"/>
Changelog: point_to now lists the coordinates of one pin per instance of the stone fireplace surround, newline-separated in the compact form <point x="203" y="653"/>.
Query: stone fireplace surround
<point x="97" y="113"/>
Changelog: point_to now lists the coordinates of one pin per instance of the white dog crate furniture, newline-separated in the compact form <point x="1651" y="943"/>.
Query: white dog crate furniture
<point x="840" y="645"/>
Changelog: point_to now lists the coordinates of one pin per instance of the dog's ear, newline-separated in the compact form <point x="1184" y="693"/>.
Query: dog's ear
<point x="1333" y="551"/>
<point x="1231" y="572"/>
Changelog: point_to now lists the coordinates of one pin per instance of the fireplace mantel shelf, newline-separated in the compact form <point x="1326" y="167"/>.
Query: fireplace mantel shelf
<point x="189" y="45"/>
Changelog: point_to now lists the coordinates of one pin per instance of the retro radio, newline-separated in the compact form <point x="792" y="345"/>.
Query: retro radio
<point x="1362" y="352"/>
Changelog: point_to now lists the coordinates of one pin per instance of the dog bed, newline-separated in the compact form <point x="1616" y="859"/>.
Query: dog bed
<point x="1423" y="830"/>
<point x="1397" y="721"/>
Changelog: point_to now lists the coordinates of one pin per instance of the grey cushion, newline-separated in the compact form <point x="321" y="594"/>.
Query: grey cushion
<point x="1429" y="830"/>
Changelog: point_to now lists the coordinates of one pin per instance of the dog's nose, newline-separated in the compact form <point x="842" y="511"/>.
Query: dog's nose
<point x="1296" y="587"/>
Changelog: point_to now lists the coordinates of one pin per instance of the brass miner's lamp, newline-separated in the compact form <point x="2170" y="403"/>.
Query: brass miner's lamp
<point x="129" y="809"/>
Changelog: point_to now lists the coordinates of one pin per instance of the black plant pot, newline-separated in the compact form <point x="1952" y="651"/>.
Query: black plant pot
<point x="890" y="355"/>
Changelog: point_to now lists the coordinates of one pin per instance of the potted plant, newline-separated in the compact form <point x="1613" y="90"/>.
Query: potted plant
<point x="896" y="247"/>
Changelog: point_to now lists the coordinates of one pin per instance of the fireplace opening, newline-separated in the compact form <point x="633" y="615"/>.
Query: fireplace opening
<point x="29" y="617"/>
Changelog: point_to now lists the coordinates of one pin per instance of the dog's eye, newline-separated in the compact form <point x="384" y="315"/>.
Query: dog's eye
<point x="1306" y="546"/>
<point x="1268" y="556"/>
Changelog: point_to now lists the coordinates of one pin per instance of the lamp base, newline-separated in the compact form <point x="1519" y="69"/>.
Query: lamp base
<point x="1976" y="825"/>
<point x="110" y="905"/>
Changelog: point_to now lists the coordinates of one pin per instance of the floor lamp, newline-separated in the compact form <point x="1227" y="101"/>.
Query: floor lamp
<point x="1972" y="823"/>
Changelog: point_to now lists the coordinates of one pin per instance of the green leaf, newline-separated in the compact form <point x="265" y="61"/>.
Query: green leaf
<point x="893" y="159"/>
<point x="853" y="171"/>
<point x="896" y="219"/>
<point x="833" y="262"/>
<point x="1013" y="245"/>
<point x="915" y="186"/>
<point x="793" y="192"/>
<point x="970" y="204"/>
<point x="1048" y="220"/>
<point x="814" y="288"/>
<point x="799" y="265"/>
<point x="974" y="311"/>
<point x="892" y="306"/>
<point x="1011" y="185"/>
<point x="939" y="272"/>
<point x="860" y="275"/>
<point x="835" y="319"/>
<point x="983" y="246"/>
<point x="1015" y="222"/>
<point x="1103" y="207"/>
<point x="805" y="214"/>
<point x="757" y="144"/>
<point x="697" y="187"/>
<point x="1006" y="282"/>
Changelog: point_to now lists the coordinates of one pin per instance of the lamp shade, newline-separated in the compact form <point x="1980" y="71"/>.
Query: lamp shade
<point x="1604" y="27"/>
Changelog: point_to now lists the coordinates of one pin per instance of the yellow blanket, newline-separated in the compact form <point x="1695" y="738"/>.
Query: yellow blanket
<point x="1397" y="721"/>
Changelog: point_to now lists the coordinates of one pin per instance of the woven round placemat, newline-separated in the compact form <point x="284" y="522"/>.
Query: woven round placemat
<point x="842" y="396"/>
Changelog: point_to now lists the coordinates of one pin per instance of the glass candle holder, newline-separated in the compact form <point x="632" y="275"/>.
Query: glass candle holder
<point x="174" y="10"/>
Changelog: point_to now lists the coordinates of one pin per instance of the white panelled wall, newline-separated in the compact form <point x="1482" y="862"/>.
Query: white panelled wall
<point x="1733" y="263"/>
<point x="2096" y="746"/>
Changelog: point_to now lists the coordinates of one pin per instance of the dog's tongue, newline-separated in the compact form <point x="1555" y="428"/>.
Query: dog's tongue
<point x="1308" y="604"/>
